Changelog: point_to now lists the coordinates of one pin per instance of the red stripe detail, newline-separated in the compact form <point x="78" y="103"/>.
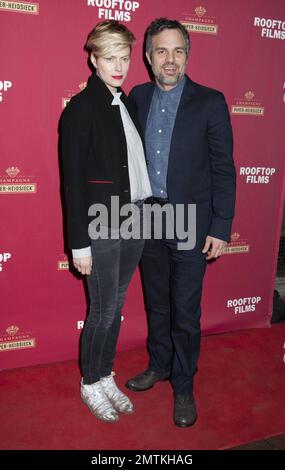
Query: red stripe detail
<point x="101" y="181"/>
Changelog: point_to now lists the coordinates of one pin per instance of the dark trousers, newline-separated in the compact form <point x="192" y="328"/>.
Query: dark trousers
<point x="114" y="262"/>
<point x="172" y="281"/>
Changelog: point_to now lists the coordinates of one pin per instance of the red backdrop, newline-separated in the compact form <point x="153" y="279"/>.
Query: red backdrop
<point x="238" y="48"/>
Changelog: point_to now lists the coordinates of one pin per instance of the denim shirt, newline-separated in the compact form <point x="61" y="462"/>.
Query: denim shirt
<point x="160" y="123"/>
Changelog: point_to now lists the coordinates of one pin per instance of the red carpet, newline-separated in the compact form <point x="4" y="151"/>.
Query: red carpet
<point x="239" y="390"/>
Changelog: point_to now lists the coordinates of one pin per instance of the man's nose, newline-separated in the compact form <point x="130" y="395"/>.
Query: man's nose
<point x="170" y="57"/>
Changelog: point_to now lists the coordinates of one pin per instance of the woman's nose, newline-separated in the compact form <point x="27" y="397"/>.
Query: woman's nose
<point x="118" y="65"/>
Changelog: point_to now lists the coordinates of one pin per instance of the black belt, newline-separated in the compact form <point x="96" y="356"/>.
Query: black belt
<point x="156" y="200"/>
<point x="139" y="202"/>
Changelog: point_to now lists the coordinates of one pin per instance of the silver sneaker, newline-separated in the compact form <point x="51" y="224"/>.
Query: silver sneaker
<point x="95" y="398"/>
<point x="119" y="400"/>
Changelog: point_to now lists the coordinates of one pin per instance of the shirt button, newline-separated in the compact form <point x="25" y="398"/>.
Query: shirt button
<point x="163" y="110"/>
<point x="161" y="191"/>
<point x="126" y="190"/>
<point x="124" y="166"/>
<point x="160" y="131"/>
<point x="158" y="172"/>
<point x="158" y="151"/>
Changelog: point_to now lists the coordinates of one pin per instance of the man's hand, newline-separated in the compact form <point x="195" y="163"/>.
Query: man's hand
<point x="214" y="247"/>
<point x="83" y="265"/>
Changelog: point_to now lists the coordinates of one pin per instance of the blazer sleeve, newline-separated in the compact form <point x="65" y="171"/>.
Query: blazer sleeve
<point x="75" y="145"/>
<point x="223" y="174"/>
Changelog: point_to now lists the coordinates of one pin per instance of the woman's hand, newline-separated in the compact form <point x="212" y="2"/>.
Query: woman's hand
<point x="83" y="265"/>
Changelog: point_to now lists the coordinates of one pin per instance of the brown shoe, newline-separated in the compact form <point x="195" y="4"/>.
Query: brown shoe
<point x="146" y="380"/>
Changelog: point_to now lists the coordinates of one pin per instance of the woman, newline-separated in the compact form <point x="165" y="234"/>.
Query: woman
<point x="103" y="157"/>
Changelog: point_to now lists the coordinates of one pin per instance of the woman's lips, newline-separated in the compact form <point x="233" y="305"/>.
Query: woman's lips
<point x="117" y="77"/>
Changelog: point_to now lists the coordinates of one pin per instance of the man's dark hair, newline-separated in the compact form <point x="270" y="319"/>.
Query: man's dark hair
<point x="159" y="25"/>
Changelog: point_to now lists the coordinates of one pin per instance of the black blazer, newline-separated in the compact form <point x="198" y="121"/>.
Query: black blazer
<point x="200" y="166"/>
<point x="94" y="156"/>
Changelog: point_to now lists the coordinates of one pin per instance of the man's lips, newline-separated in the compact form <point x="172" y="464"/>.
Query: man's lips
<point x="117" y="77"/>
<point x="170" y="69"/>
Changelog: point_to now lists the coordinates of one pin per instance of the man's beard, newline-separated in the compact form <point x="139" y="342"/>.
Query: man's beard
<point x="169" y="80"/>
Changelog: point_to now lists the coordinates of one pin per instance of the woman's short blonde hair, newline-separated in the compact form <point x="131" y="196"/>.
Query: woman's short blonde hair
<point x="107" y="36"/>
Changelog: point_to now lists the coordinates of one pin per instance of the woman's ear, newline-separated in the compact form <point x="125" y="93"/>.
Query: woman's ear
<point x="93" y="60"/>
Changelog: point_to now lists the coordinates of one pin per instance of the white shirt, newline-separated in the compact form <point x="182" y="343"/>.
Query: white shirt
<point x="138" y="176"/>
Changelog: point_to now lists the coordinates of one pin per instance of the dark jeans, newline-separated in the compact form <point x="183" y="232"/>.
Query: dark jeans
<point x="114" y="262"/>
<point x="172" y="281"/>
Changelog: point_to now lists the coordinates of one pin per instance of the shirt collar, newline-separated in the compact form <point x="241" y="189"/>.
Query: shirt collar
<point x="117" y="98"/>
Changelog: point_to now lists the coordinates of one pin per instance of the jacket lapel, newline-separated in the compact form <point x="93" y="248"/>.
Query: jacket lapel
<point x="146" y="106"/>
<point x="187" y="93"/>
<point x="101" y="99"/>
<point x="143" y="105"/>
<point x="185" y="100"/>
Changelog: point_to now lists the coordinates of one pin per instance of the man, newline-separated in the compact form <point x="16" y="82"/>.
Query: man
<point x="188" y="140"/>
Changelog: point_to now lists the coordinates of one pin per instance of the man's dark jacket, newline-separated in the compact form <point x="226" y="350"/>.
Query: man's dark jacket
<point x="200" y="167"/>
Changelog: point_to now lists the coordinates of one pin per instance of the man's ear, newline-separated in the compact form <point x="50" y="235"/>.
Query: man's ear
<point x="148" y="56"/>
